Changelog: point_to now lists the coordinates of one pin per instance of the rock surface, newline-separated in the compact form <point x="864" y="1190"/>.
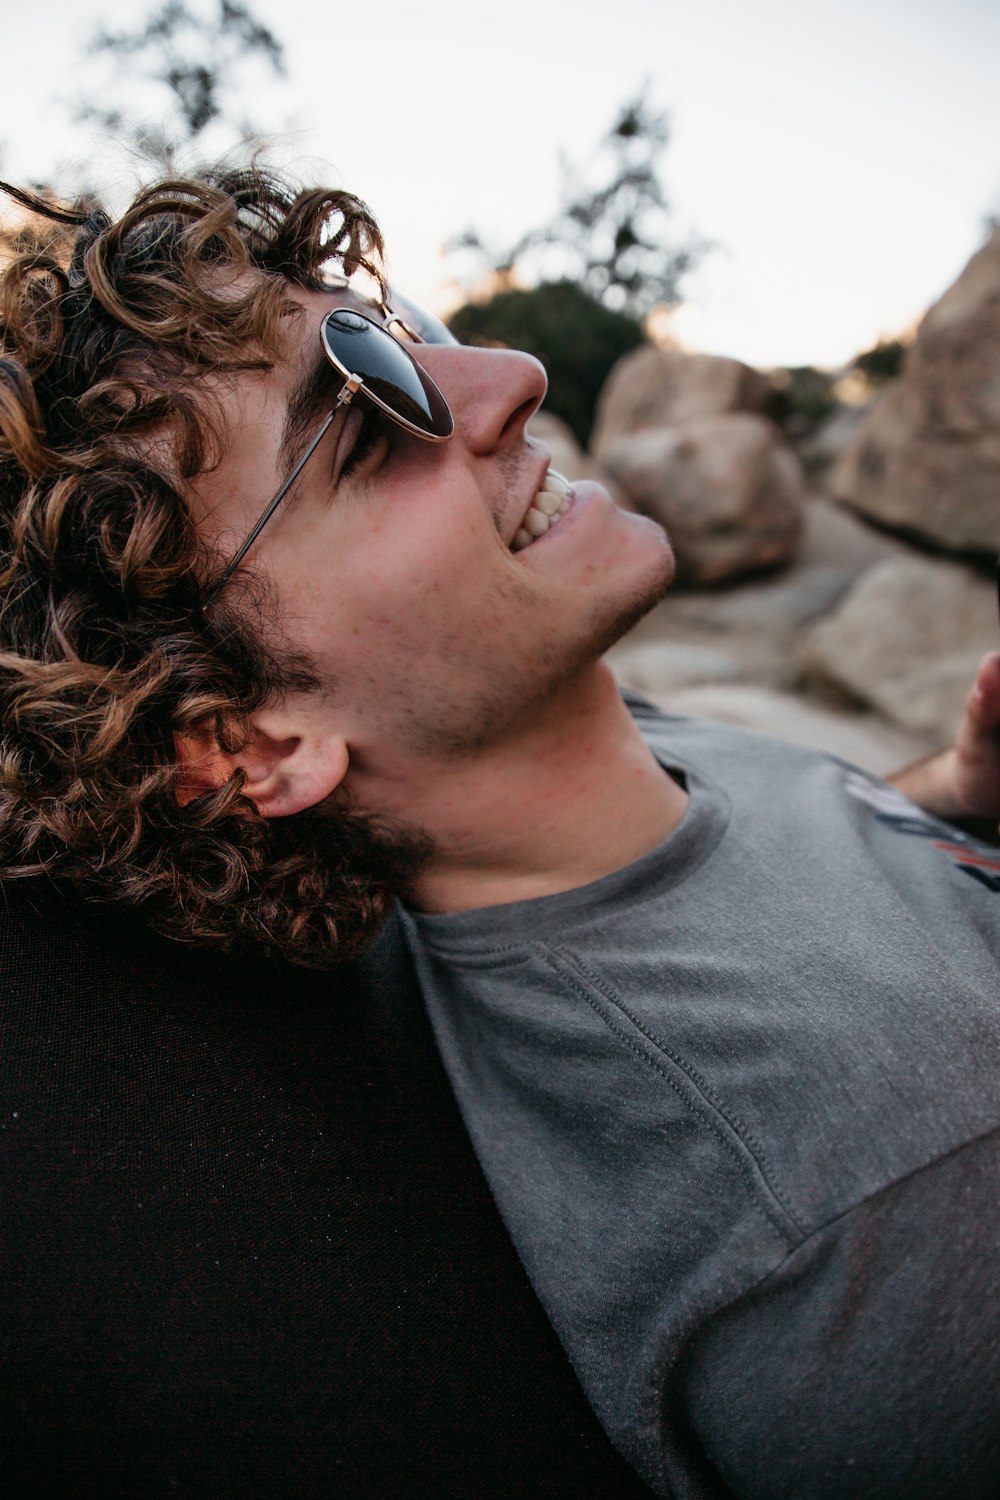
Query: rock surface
<point x="927" y="457"/>
<point x="726" y="487"/>
<point x="907" y="640"/>
<point x="955" y="364"/>
<point x="880" y="680"/>
<point x="655" y="388"/>
<point x="853" y="641"/>
<point x="863" y="739"/>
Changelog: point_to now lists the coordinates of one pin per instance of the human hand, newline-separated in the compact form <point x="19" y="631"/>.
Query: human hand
<point x="976" y="752"/>
<point x="962" y="784"/>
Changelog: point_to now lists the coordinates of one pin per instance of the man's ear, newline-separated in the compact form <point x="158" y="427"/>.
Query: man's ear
<point x="285" y="771"/>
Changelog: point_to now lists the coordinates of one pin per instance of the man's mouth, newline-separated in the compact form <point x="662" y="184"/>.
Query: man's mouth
<point x="551" y="502"/>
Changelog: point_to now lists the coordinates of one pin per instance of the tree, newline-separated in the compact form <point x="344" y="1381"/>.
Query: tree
<point x="594" y="271"/>
<point x="612" y="232"/>
<point x="804" y="397"/>
<point x="884" y="361"/>
<point x="198" y="61"/>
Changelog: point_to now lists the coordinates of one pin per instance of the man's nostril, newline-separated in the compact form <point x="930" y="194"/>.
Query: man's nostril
<point x="520" y="415"/>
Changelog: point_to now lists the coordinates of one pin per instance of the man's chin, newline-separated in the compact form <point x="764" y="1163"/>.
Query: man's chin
<point x="644" y="597"/>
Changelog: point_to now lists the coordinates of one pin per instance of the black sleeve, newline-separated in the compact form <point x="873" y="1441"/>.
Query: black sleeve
<point x="246" y="1252"/>
<point x="869" y="1364"/>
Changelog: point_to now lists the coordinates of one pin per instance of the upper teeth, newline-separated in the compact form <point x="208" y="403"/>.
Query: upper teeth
<point x="551" y="502"/>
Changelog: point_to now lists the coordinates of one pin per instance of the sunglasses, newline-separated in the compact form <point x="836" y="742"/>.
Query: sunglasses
<point x="369" y="351"/>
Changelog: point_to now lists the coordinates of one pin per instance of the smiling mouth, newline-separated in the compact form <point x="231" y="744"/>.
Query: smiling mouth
<point x="551" y="502"/>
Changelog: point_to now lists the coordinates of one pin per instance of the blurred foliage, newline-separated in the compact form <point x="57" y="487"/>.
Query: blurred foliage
<point x="575" y="337"/>
<point x="199" y="63"/>
<point x="593" y="272"/>
<point x="884" y="361"/>
<point x="804" y="397"/>
<point x="612" y="232"/>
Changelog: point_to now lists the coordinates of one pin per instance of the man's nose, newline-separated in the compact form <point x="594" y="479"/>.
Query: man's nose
<point x="491" y="392"/>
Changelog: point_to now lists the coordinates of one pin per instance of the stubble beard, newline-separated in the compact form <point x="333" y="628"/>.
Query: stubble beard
<point x="505" y="708"/>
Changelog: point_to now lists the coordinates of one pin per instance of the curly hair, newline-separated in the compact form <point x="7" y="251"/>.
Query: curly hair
<point x="108" y="646"/>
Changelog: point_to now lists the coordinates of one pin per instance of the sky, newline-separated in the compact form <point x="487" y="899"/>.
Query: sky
<point x="840" y="156"/>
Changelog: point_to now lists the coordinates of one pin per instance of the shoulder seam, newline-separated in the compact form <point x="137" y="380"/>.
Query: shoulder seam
<point x="889" y="1187"/>
<point x="773" y="1208"/>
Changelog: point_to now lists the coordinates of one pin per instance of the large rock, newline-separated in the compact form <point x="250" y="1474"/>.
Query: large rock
<point x="659" y="668"/>
<point x="954" y="367"/>
<point x="927" y="457"/>
<point x="727" y="488"/>
<point x="907" y="639"/>
<point x="838" y="538"/>
<point x="661" y="387"/>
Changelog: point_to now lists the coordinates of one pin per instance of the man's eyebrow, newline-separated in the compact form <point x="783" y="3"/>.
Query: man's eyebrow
<point x="311" y="400"/>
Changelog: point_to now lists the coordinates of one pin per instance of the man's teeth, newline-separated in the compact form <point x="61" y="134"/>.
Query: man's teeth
<point x="551" y="502"/>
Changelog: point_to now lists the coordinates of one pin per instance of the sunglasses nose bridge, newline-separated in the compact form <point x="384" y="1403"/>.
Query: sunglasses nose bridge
<point x="398" y="328"/>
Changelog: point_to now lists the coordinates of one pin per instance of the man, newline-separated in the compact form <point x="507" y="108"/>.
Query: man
<point x="246" y="1248"/>
<point x="298" y="618"/>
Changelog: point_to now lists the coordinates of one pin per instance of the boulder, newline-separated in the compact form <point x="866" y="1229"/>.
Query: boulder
<point x="926" y="460"/>
<point x="727" y="488"/>
<point x="659" y="668"/>
<point x="907" y="640"/>
<point x="943" y="489"/>
<point x="835" y="537"/>
<point x="954" y="366"/>
<point x="661" y="387"/>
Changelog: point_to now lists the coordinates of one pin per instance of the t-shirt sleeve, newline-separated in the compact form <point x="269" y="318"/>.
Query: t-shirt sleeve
<point x="868" y="1365"/>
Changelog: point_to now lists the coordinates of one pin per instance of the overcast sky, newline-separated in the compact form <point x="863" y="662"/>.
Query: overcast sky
<point x="842" y="155"/>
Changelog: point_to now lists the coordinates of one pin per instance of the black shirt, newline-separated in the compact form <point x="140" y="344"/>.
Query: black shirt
<point x="245" y="1247"/>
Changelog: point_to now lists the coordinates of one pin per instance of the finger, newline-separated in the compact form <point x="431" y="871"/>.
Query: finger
<point x="983" y="703"/>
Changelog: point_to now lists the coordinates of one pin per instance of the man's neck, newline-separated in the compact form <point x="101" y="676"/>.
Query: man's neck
<point x="574" y="797"/>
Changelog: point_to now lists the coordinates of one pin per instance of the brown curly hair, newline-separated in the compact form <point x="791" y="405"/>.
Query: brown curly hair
<point x="107" y="642"/>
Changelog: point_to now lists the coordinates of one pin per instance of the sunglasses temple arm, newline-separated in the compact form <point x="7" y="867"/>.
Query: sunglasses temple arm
<point x="234" y="562"/>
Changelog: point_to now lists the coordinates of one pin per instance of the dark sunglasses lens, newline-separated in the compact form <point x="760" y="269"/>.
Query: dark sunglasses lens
<point x="428" y="328"/>
<point x="387" y="371"/>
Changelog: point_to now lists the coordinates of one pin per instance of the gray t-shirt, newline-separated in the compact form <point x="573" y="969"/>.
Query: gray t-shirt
<point x="738" y="1103"/>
